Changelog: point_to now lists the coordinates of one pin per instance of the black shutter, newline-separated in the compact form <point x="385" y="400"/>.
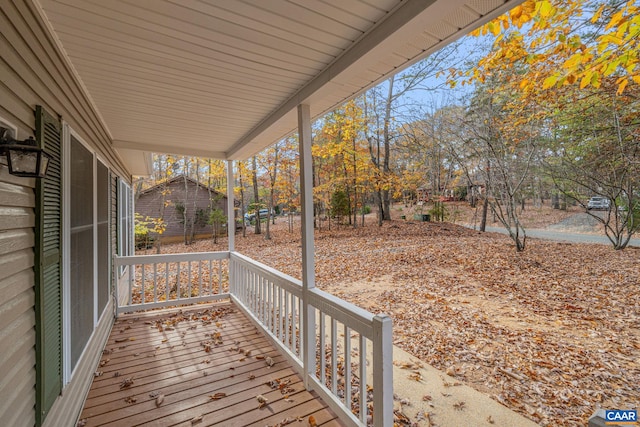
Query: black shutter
<point x="48" y="271"/>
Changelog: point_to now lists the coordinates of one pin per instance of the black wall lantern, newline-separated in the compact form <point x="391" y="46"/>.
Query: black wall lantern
<point x="24" y="158"/>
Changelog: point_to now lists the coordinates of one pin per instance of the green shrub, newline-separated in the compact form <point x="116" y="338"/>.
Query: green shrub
<point x="339" y="204"/>
<point x="366" y="209"/>
<point x="439" y="211"/>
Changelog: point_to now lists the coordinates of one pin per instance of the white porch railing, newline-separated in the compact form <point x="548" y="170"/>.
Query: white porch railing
<point x="348" y="359"/>
<point x="346" y="340"/>
<point x="156" y="281"/>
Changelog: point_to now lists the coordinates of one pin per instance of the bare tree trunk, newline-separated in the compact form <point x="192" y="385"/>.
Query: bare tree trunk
<point x="196" y="218"/>
<point x="386" y="169"/>
<point x="485" y="209"/>
<point x="355" y="186"/>
<point x="380" y="208"/>
<point x="185" y="208"/>
<point x="256" y="197"/>
<point x="242" y="212"/>
<point x="163" y="205"/>
<point x="375" y="159"/>
<point x="273" y="176"/>
<point x="267" y="234"/>
<point x="364" y="200"/>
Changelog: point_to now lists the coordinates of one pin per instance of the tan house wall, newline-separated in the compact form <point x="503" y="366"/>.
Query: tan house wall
<point x="149" y="203"/>
<point x="17" y="299"/>
<point x="33" y="71"/>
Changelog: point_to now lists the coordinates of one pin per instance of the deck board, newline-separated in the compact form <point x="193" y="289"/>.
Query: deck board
<point x="187" y="356"/>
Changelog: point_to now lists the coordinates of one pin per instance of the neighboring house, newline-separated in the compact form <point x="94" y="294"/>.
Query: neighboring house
<point x="165" y="200"/>
<point x="102" y="84"/>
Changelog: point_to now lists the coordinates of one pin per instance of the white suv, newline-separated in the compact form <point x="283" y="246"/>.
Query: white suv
<point x="598" y="202"/>
<point x="264" y="213"/>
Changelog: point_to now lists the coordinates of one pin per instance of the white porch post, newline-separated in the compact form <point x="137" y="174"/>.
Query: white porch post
<point x="383" y="371"/>
<point x="308" y="261"/>
<point x="231" y="220"/>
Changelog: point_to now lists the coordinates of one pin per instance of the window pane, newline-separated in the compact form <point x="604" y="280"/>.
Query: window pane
<point x="124" y="221"/>
<point x="128" y="225"/>
<point x="103" y="237"/>
<point x="81" y="246"/>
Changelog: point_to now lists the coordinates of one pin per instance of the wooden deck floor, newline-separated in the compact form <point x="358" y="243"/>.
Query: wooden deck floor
<point x="196" y="367"/>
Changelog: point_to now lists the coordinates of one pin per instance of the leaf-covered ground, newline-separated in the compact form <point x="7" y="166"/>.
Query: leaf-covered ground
<point x="552" y="333"/>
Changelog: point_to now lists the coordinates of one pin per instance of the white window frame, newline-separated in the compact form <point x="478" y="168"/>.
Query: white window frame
<point x="7" y="124"/>
<point x="125" y="224"/>
<point x="67" y="133"/>
<point x="99" y="158"/>
<point x="66" y="256"/>
<point x="13" y="131"/>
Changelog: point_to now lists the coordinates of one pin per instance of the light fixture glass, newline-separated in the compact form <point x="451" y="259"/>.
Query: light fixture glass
<point x="27" y="161"/>
<point x="24" y="158"/>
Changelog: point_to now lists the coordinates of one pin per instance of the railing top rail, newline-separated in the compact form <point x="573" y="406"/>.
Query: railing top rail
<point x="353" y="316"/>
<point x="349" y="314"/>
<point x="183" y="257"/>
<point x="266" y="270"/>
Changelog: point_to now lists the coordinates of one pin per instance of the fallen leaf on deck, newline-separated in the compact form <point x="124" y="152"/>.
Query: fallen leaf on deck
<point x="130" y="399"/>
<point x="312" y="421"/>
<point x="217" y="396"/>
<point x="127" y="382"/>
<point x="262" y="401"/>
<point x="159" y="399"/>
<point x="196" y="420"/>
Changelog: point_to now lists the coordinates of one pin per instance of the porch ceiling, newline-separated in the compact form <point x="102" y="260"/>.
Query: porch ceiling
<point x="222" y="78"/>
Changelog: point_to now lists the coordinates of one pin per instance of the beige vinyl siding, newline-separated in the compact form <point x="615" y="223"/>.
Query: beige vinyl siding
<point x="33" y="71"/>
<point x="17" y="298"/>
